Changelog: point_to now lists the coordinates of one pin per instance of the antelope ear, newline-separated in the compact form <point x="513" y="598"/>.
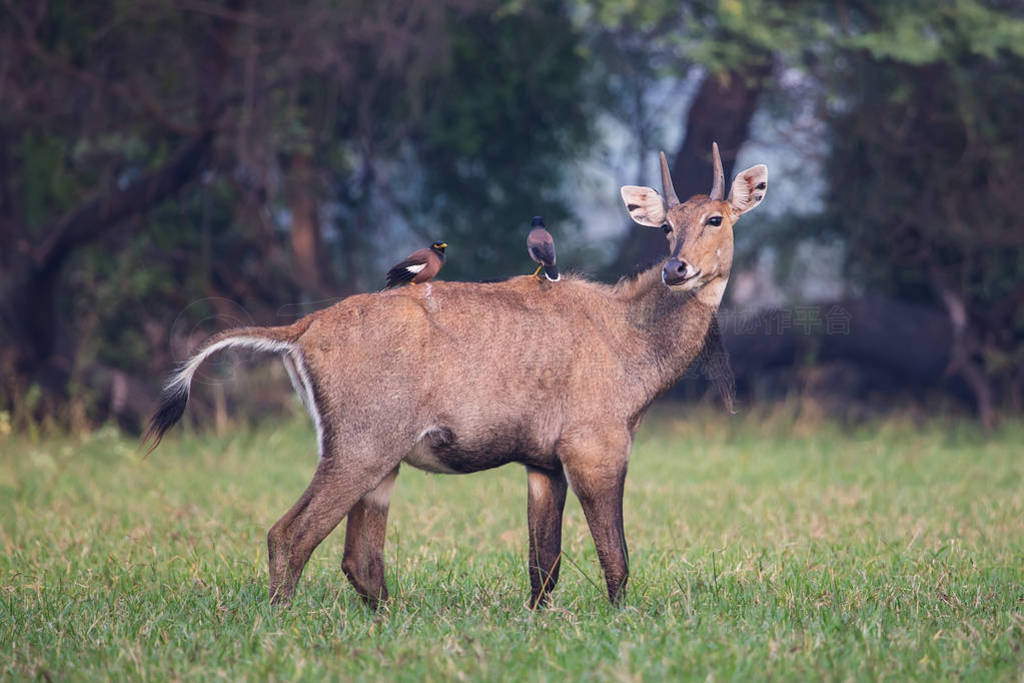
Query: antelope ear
<point x="644" y="204"/>
<point x="748" y="189"/>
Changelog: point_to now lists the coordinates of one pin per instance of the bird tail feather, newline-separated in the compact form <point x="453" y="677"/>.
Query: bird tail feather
<point x="552" y="273"/>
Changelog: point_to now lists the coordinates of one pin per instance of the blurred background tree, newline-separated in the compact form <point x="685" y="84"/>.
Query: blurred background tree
<point x="923" y="186"/>
<point x="246" y="155"/>
<point x="922" y="166"/>
<point x="168" y="167"/>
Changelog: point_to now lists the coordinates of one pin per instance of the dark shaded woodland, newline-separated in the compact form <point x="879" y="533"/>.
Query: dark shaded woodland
<point x="172" y="167"/>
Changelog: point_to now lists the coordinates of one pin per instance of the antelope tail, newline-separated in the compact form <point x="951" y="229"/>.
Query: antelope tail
<point x="171" y="405"/>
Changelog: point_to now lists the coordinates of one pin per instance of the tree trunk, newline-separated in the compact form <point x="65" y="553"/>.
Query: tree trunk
<point x="909" y="343"/>
<point x="29" y="282"/>
<point x="965" y="346"/>
<point x="307" y="249"/>
<point x="28" y="288"/>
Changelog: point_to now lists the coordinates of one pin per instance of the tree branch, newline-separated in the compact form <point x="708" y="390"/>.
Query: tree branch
<point x="90" y="220"/>
<point x="227" y="13"/>
<point x="132" y="96"/>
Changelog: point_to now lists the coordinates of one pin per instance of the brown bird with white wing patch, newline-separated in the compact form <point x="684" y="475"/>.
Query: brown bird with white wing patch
<point x="420" y="266"/>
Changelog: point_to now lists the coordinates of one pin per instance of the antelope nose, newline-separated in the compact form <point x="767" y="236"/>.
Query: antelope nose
<point x="677" y="271"/>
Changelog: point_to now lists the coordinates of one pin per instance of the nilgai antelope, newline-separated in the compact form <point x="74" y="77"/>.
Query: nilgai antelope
<point x="462" y="377"/>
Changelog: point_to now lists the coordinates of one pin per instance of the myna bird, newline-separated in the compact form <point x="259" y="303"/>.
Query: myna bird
<point x="420" y="266"/>
<point x="541" y="246"/>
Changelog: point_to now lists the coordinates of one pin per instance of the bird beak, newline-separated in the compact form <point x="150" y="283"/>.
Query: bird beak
<point x="444" y="245"/>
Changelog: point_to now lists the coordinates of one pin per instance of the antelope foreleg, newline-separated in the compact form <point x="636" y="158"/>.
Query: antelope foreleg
<point x="596" y="470"/>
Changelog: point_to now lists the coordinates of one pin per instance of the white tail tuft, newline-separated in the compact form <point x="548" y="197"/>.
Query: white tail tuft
<point x="175" y="394"/>
<point x="182" y="379"/>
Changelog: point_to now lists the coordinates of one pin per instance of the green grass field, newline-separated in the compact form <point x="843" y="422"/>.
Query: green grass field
<point x="760" y="548"/>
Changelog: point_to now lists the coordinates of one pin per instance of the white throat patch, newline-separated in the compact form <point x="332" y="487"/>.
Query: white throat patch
<point x="711" y="293"/>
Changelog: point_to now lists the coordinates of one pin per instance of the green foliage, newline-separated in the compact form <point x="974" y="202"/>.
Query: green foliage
<point x="917" y="156"/>
<point x="494" y="150"/>
<point x="724" y="34"/>
<point x="922" y="104"/>
<point x="713" y="34"/>
<point x="920" y="171"/>
<point x="481" y="114"/>
<point x="44" y="159"/>
<point x="772" y="551"/>
<point x="918" y="32"/>
<point x="481" y="103"/>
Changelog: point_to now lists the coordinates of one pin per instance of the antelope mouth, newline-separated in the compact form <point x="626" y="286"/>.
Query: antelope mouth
<point x="694" y="283"/>
<point x="682" y="282"/>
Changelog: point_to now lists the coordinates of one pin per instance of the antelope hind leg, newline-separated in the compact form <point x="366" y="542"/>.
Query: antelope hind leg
<point x="337" y="485"/>
<point x="363" y="562"/>
<point x="545" y="503"/>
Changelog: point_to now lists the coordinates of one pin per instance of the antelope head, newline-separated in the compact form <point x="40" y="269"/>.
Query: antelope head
<point x="699" y="230"/>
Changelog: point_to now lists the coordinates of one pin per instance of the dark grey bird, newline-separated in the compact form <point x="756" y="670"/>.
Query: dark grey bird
<point x="541" y="246"/>
<point x="420" y="266"/>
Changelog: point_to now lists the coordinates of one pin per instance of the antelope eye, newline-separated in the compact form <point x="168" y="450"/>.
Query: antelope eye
<point x="714" y="220"/>
<point x="667" y="228"/>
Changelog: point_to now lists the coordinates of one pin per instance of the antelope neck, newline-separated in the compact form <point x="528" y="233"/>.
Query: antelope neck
<point x="671" y="326"/>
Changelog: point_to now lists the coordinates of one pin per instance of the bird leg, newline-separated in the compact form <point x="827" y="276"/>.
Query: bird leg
<point x="536" y="273"/>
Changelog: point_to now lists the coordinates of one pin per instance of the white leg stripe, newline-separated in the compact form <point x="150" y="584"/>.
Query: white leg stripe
<point x="381" y="496"/>
<point x="311" y="406"/>
<point x="293" y="377"/>
<point x="293" y="362"/>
